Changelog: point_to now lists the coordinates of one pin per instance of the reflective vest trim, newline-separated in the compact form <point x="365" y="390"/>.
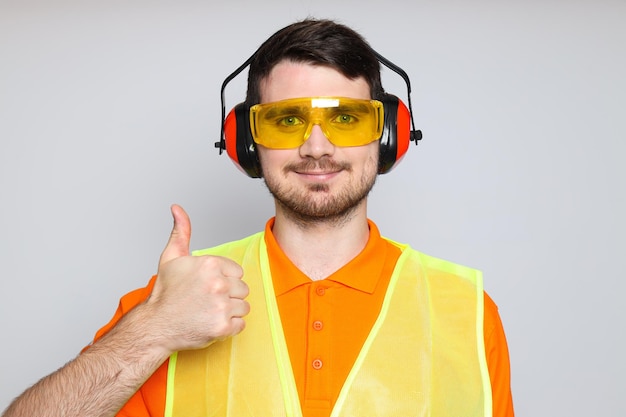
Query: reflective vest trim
<point x="288" y="383"/>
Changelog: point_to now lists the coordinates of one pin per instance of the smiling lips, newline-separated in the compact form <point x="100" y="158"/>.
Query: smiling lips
<point x="318" y="173"/>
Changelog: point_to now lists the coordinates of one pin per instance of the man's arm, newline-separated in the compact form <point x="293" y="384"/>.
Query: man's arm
<point x="99" y="381"/>
<point x="195" y="301"/>
<point x="497" y="361"/>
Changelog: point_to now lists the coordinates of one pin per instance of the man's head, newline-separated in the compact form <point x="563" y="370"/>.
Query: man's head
<point x="317" y="42"/>
<point x="322" y="44"/>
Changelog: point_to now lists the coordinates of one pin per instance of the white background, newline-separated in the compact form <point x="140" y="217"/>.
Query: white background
<point x="109" y="111"/>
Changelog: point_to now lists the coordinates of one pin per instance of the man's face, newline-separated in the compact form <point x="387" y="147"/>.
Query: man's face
<point x="317" y="181"/>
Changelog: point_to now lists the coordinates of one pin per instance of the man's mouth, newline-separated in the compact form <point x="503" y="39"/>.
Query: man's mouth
<point x="321" y="168"/>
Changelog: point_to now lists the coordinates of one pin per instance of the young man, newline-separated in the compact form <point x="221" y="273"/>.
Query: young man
<point x="337" y="319"/>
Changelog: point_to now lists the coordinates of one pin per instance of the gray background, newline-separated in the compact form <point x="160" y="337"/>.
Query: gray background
<point x="109" y="111"/>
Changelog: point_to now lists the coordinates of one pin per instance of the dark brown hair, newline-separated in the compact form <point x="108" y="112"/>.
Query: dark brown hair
<point x="317" y="42"/>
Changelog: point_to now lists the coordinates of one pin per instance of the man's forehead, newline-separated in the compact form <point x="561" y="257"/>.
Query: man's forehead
<point x="290" y="79"/>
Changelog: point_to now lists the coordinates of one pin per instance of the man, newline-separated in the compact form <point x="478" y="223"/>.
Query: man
<point x="337" y="319"/>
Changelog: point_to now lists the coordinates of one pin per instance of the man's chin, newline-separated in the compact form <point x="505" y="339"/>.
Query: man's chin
<point x="319" y="188"/>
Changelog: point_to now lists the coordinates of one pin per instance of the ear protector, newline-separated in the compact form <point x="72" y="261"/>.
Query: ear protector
<point x="398" y="129"/>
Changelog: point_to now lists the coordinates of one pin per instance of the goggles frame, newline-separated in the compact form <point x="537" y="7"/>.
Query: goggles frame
<point x="287" y="124"/>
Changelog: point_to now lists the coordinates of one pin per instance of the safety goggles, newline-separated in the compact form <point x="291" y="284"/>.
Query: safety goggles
<point x="288" y="123"/>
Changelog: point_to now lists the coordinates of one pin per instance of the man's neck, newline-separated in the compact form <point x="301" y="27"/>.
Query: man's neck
<point x="320" y="248"/>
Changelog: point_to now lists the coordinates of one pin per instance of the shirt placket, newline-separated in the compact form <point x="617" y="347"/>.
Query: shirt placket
<point x="319" y="366"/>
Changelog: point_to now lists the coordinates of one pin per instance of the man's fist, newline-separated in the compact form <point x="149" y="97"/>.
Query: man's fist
<point x="196" y="299"/>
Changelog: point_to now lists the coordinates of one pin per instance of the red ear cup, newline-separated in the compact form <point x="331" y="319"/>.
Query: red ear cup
<point x="394" y="142"/>
<point x="239" y="143"/>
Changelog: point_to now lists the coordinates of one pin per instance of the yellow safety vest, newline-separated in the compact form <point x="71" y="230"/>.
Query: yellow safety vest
<point x="424" y="356"/>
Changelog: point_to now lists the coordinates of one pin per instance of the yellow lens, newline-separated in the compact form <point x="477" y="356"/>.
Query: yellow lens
<point x="288" y="123"/>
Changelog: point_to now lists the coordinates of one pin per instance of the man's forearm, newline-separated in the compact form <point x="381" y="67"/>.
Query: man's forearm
<point x="99" y="381"/>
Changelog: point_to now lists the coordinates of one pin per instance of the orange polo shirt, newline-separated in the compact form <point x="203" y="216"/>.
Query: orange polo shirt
<point x="325" y="338"/>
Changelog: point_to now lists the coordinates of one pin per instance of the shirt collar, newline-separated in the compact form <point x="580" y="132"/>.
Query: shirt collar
<point x="361" y="273"/>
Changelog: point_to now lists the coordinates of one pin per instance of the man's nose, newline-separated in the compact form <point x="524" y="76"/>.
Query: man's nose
<point x="317" y="145"/>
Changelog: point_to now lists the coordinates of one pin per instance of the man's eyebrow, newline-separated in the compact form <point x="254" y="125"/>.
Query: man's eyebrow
<point x="283" y="111"/>
<point x="356" y="107"/>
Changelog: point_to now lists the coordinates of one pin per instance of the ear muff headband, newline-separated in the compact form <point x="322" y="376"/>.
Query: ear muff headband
<point x="398" y="131"/>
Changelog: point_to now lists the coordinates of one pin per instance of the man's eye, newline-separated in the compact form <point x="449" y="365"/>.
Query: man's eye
<point x="345" y="118"/>
<point x="290" y="121"/>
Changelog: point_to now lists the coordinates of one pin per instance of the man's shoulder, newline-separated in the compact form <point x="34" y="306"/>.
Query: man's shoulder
<point x="432" y="264"/>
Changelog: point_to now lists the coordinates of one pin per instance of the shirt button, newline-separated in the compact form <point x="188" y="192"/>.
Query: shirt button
<point x="317" y="364"/>
<point x="318" y="325"/>
<point x="320" y="290"/>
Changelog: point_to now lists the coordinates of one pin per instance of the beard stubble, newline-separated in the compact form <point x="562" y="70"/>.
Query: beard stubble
<point x="314" y="203"/>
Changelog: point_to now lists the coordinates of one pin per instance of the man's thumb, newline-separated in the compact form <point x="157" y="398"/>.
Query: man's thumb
<point x="178" y="244"/>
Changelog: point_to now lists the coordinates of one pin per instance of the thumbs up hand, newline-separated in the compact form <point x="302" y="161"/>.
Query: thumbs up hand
<point x="196" y="299"/>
